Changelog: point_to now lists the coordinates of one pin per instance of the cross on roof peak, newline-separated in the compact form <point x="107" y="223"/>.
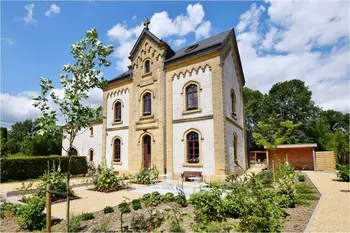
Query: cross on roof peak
<point x="146" y="23"/>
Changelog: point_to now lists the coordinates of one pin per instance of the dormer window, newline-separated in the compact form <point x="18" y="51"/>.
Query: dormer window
<point x="147" y="66"/>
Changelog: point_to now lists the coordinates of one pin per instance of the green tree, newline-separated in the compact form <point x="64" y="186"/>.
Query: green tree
<point x="18" y="132"/>
<point x="3" y="140"/>
<point x="291" y="100"/>
<point x="90" y="55"/>
<point x="255" y="111"/>
<point x="339" y="143"/>
<point x="271" y="134"/>
<point x="336" y="120"/>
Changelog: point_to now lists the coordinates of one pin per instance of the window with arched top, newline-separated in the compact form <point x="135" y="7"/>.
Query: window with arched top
<point x="147" y="66"/>
<point x="192" y="147"/>
<point x="91" y="131"/>
<point x="147" y="104"/>
<point x="192" y="97"/>
<point x="235" y="142"/>
<point x="233" y="102"/>
<point x="118" y="111"/>
<point x="91" y="155"/>
<point x="116" y="150"/>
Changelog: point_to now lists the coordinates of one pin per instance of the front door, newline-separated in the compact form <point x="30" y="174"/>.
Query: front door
<point x="147" y="151"/>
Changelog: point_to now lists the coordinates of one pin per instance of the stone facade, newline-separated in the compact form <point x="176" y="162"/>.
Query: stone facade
<point x="216" y="73"/>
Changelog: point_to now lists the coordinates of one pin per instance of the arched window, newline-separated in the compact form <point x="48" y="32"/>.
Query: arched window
<point x="235" y="155"/>
<point x="91" y="131"/>
<point x="118" y="111"/>
<point x="192" y="147"/>
<point x="192" y="97"/>
<point x="147" y="104"/>
<point x="72" y="151"/>
<point x="91" y="155"/>
<point x="147" y="67"/>
<point x="116" y="150"/>
<point x="233" y="102"/>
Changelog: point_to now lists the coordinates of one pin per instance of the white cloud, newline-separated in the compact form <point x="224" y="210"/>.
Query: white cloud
<point x="28" y="18"/>
<point x="179" y="42"/>
<point x="19" y="107"/>
<point x="203" y="30"/>
<point x="8" y="41"/>
<point x="297" y="29"/>
<point x="162" y="26"/>
<point x="54" y="9"/>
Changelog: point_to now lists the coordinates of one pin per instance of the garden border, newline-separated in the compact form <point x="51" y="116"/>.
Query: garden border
<point x="307" y="228"/>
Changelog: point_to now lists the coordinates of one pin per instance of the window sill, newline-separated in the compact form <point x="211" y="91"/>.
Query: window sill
<point x="117" y="163"/>
<point x="186" y="112"/>
<point x="117" y="122"/>
<point x="146" y="74"/>
<point x="192" y="164"/>
<point x="147" y="117"/>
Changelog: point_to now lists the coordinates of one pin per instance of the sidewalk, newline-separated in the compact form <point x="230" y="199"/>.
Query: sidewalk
<point x="333" y="213"/>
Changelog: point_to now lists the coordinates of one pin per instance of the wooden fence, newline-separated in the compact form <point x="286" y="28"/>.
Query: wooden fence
<point x="325" y="161"/>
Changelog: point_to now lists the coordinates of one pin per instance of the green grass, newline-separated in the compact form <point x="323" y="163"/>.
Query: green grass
<point x="17" y="155"/>
<point x="305" y="193"/>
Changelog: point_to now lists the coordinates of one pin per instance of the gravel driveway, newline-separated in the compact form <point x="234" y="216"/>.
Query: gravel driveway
<point x="333" y="213"/>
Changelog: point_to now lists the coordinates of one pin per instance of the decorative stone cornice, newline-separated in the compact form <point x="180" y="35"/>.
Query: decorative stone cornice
<point x="190" y="71"/>
<point x="117" y="92"/>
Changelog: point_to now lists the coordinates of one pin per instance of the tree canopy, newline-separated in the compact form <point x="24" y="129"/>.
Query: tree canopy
<point x="292" y="101"/>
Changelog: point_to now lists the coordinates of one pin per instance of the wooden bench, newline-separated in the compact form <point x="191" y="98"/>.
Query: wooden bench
<point x="188" y="174"/>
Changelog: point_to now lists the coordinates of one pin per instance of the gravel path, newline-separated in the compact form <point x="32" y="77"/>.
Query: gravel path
<point x="333" y="213"/>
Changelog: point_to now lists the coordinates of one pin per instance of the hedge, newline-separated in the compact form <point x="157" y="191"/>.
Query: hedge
<point x="34" y="167"/>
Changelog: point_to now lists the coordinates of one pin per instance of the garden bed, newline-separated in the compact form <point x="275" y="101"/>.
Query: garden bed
<point x="296" y="218"/>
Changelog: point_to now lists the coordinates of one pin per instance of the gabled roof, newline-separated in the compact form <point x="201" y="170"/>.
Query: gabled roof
<point x="160" y="42"/>
<point x="211" y="43"/>
<point x="215" y="41"/>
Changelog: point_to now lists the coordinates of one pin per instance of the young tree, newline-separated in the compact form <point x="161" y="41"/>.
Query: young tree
<point x="85" y="74"/>
<point x="271" y="134"/>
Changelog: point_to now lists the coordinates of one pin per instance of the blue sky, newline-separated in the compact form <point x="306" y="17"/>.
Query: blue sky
<point x="277" y="40"/>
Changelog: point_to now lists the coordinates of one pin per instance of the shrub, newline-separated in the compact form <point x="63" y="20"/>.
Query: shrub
<point x="301" y="177"/>
<point x="31" y="216"/>
<point x="108" y="209"/>
<point x="146" y="197"/>
<point x="286" y="188"/>
<point x="136" y="204"/>
<point x="106" y="181"/>
<point x="156" y="198"/>
<point x="175" y="219"/>
<point x="207" y="205"/>
<point x="139" y="223"/>
<point x="181" y="200"/>
<point x="343" y="172"/>
<point x="265" y="177"/>
<point x="259" y="207"/>
<point x="87" y="216"/>
<point x="169" y="197"/>
<point x="57" y="180"/>
<point x="23" y="168"/>
<point x="147" y="176"/>
<point x="124" y="208"/>
<point x="74" y="223"/>
<point x="9" y="209"/>
<point x="230" y="206"/>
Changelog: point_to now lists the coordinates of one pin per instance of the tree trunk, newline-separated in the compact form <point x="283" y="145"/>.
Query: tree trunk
<point x="68" y="191"/>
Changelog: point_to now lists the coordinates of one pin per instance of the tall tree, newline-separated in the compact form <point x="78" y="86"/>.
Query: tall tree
<point x="3" y="140"/>
<point x="255" y="111"/>
<point x="291" y="100"/>
<point x="90" y="55"/>
<point x="18" y="132"/>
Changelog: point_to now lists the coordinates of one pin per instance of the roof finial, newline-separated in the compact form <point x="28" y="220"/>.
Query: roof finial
<point x="146" y="23"/>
